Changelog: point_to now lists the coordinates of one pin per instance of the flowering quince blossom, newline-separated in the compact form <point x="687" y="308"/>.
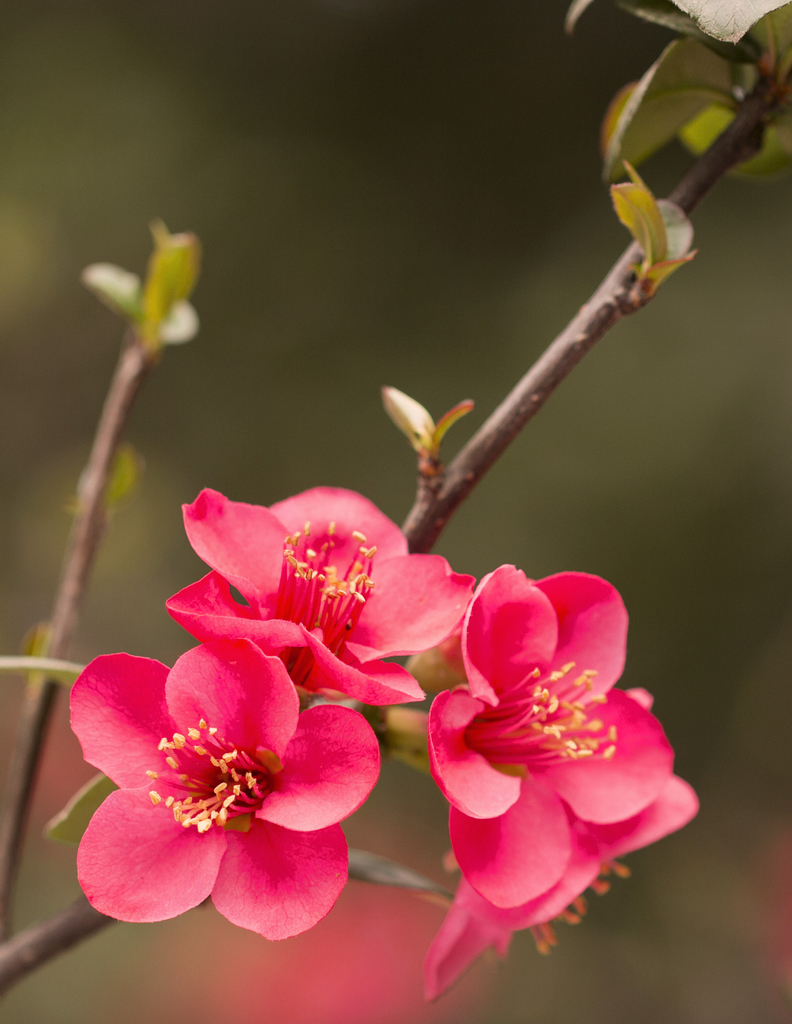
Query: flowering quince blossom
<point x="226" y="789"/>
<point x="473" y="924"/>
<point x="330" y="588"/>
<point x="539" y="729"/>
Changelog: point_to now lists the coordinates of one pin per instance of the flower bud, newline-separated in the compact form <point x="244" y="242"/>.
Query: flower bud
<point x="440" y="668"/>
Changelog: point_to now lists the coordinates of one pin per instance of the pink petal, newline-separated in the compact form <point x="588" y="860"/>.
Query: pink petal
<point x="644" y="698"/>
<point x="417" y="602"/>
<point x="592" y="625"/>
<point x="207" y="610"/>
<point x="466" y="778"/>
<point x="135" y="863"/>
<point x="242" y="542"/>
<point x="350" y="512"/>
<point x="375" y="682"/>
<point x="119" y="715"/>
<point x="518" y="856"/>
<point x="473" y="923"/>
<point x="463" y="936"/>
<point x="329" y="768"/>
<point x="510" y="629"/>
<point x="279" y="883"/>
<point x="676" y="805"/>
<point x="604" y="791"/>
<point x="247" y="696"/>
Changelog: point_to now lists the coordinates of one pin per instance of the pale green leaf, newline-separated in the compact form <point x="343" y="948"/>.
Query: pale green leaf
<point x="727" y="19"/>
<point x="117" y="288"/>
<point x="68" y="826"/>
<point x="774" y="156"/>
<point x="411" y="418"/>
<point x="369" y="867"/>
<point x="637" y="209"/>
<point x="125" y="472"/>
<point x="172" y="274"/>
<point x="686" y="78"/>
<point x="665" y="13"/>
<point x="180" y="325"/>
<point x="679" y="230"/>
<point x="448" y="419"/>
<point x="576" y="8"/>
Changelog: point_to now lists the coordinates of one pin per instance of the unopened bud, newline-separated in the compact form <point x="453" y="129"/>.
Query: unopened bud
<point x="439" y="668"/>
<point x="411" y="418"/>
<point x="117" y="288"/>
<point x="406" y="736"/>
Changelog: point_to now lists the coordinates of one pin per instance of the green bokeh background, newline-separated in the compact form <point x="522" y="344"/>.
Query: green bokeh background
<point x="406" y="192"/>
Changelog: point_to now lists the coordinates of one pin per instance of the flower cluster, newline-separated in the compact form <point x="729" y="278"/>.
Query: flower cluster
<point x="236" y="766"/>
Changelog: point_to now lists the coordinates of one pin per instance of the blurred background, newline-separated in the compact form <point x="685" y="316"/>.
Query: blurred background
<point x="405" y="192"/>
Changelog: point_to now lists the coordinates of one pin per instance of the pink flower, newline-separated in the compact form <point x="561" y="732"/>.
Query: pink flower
<point x="330" y="588"/>
<point x="473" y="924"/>
<point x="538" y="728"/>
<point x="226" y="790"/>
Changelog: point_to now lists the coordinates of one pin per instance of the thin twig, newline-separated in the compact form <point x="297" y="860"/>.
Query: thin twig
<point x="441" y="494"/>
<point x="41" y="942"/>
<point x="87" y="529"/>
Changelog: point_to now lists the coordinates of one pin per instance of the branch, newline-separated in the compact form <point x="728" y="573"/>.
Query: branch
<point x="87" y="529"/>
<point x="41" y="942"/>
<point x="439" y="496"/>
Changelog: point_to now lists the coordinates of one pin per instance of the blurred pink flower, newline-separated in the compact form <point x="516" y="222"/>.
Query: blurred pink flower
<point x="320" y="598"/>
<point x="539" y="728"/>
<point x="226" y="790"/>
<point x="473" y="924"/>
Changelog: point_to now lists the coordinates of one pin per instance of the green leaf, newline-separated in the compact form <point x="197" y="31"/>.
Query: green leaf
<point x="411" y="418"/>
<point x="180" y="325"/>
<point x="660" y="271"/>
<point x="172" y="274"/>
<point x="68" y="826"/>
<point x="665" y="13"/>
<point x="369" y="867"/>
<point x="62" y="671"/>
<point x="637" y="209"/>
<point x="727" y="19"/>
<point x="450" y="418"/>
<point x="117" y="288"/>
<point x="686" y="78"/>
<point x="576" y="8"/>
<point x="125" y="473"/>
<point x="774" y="156"/>
<point x="679" y="230"/>
<point x="774" y="32"/>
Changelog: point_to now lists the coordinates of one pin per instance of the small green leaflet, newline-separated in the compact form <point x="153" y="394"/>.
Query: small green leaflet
<point x="69" y="824"/>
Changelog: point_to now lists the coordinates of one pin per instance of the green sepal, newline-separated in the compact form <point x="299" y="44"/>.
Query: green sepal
<point x="69" y="824"/>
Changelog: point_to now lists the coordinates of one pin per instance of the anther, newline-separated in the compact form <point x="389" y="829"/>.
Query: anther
<point x="608" y="754"/>
<point x="219" y="789"/>
<point x="229" y="800"/>
<point x="179" y="740"/>
<point x="152" y="775"/>
<point x="331" y="529"/>
<point x="194" y="734"/>
<point x="202" y="724"/>
<point x="172" y="762"/>
<point x="612" y="734"/>
<point x="310" y="553"/>
<point x="359" y="537"/>
<point x="184" y="778"/>
<point x="231" y="755"/>
<point x="155" y="797"/>
<point x="204" y="826"/>
<point x="169" y="802"/>
<point x="212" y="731"/>
<point x="199" y="751"/>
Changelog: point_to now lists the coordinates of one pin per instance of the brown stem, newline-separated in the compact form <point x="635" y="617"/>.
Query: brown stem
<point x="87" y="529"/>
<point x="41" y="942"/>
<point x="438" y="497"/>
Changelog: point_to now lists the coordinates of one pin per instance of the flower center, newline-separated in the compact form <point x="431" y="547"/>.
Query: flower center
<point x="219" y="781"/>
<point x="312" y="592"/>
<point x="546" y="724"/>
